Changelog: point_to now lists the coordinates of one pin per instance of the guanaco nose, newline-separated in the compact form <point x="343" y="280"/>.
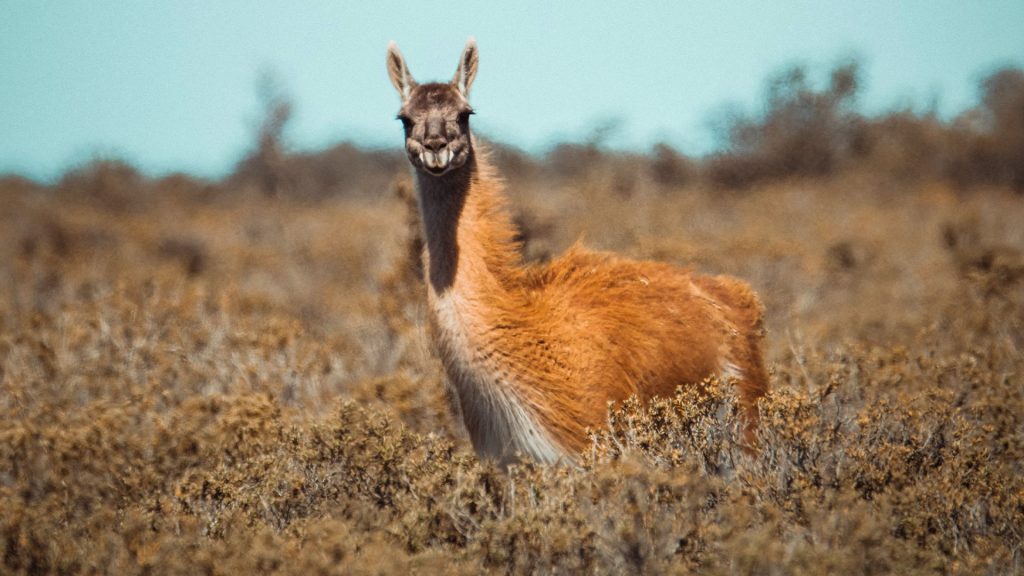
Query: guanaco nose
<point x="435" y="143"/>
<point x="435" y="139"/>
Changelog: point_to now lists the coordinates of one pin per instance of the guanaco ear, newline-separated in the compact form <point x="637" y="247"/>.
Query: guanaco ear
<point x="466" y="71"/>
<point x="399" y="72"/>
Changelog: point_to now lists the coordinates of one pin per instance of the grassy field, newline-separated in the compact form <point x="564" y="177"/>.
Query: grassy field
<point x="201" y="378"/>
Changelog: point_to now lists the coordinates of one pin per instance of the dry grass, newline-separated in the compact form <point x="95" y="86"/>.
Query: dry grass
<point x="198" y="378"/>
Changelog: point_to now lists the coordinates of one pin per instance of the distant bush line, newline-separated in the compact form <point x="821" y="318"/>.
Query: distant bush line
<point x="801" y="131"/>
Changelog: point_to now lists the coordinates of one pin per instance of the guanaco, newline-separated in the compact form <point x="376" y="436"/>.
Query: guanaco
<point x="534" y="354"/>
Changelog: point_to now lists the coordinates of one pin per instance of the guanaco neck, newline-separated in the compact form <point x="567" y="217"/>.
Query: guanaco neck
<point x="475" y="289"/>
<point x="469" y="236"/>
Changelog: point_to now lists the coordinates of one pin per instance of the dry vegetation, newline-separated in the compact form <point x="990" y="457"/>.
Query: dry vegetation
<point x="234" y="377"/>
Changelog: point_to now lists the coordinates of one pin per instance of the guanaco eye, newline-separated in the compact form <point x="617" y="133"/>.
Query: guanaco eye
<point x="406" y="121"/>
<point x="464" y="116"/>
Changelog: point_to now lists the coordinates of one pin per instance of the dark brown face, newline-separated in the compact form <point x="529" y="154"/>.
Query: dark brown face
<point x="436" y="122"/>
<point x="435" y="115"/>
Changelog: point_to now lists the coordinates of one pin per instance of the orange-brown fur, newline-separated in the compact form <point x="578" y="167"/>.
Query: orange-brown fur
<point x="544" y="349"/>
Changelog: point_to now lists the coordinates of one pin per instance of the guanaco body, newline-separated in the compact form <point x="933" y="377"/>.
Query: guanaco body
<point x="534" y="354"/>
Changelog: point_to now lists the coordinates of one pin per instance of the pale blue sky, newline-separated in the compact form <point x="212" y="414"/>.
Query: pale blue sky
<point x="171" y="85"/>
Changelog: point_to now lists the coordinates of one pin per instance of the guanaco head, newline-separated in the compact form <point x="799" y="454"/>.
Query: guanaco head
<point x="435" y="115"/>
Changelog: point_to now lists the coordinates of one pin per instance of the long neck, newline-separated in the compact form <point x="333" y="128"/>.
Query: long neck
<point x="470" y="238"/>
<point x="478" y="306"/>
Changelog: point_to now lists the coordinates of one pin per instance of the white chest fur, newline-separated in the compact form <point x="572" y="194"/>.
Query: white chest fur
<point x="498" y="421"/>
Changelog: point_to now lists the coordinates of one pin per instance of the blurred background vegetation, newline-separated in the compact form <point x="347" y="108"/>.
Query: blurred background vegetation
<point x="800" y="130"/>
